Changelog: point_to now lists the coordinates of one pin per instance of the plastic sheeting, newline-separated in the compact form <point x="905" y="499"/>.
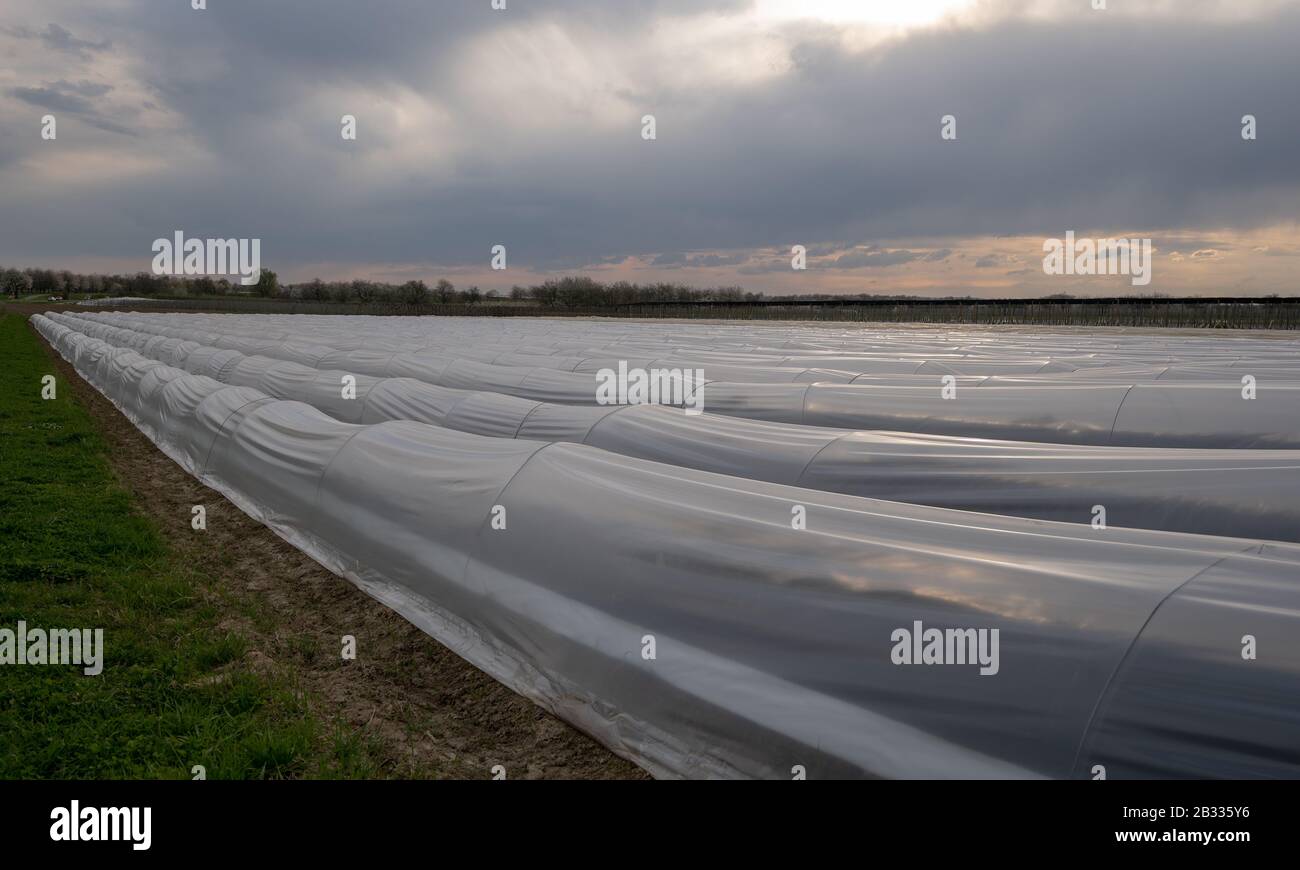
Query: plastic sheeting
<point x="774" y="646"/>
<point x="1248" y="493"/>
<point x="576" y="345"/>
<point x="1064" y="406"/>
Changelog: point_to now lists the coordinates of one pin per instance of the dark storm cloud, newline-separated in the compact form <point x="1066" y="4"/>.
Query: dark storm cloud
<point x="1087" y="122"/>
<point x="58" y="38"/>
<point x="76" y="99"/>
<point x="51" y="98"/>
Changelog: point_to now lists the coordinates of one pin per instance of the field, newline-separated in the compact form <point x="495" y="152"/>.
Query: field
<point x="220" y="646"/>
<point x="738" y="580"/>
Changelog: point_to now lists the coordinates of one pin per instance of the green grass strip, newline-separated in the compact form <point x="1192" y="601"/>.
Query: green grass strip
<point x="75" y="552"/>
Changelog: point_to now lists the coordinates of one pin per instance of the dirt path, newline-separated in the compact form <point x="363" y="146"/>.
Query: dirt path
<point x="427" y="711"/>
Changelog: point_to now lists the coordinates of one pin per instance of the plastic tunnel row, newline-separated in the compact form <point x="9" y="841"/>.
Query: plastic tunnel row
<point x="1248" y="493"/>
<point x="773" y="646"/>
<point x="1194" y="415"/>
<point x="578" y="345"/>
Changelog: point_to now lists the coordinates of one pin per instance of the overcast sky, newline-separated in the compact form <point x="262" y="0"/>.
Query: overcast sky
<point x="778" y="123"/>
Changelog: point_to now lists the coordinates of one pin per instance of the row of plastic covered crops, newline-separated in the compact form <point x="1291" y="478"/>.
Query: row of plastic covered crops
<point x="834" y="569"/>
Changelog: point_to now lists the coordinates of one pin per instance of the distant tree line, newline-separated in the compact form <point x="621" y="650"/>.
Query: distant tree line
<point x="15" y="283"/>
<point x="583" y="292"/>
<point x="568" y="292"/>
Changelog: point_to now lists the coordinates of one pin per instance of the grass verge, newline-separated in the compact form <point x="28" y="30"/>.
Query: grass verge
<point x="75" y="552"/>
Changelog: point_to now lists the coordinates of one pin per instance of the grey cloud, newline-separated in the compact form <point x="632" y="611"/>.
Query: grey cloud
<point x="679" y="259"/>
<point x="675" y="259"/>
<point x="762" y="265"/>
<point x="49" y="98"/>
<point x="55" y="99"/>
<point x="566" y="263"/>
<point x="712" y="260"/>
<point x="82" y="88"/>
<point x="874" y="259"/>
<point x="1192" y="242"/>
<point x="59" y="38"/>
<point x="826" y="249"/>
